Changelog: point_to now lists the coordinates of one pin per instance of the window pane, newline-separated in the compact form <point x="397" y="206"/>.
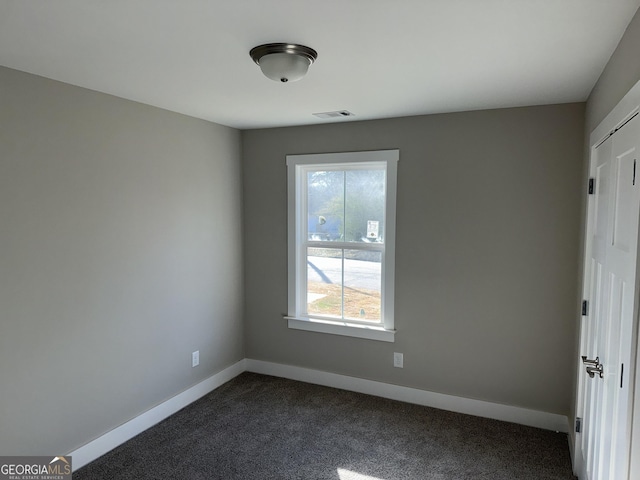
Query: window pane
<point x="360" y="299"/>
<point x="362" y="285"/>
<point x="346" y="205"/>
<point x="325" y="205"/>
<point x="324" y="282"/>
<point x="364" y="205"/>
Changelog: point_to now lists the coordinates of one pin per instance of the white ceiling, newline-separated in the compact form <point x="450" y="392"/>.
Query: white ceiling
<point x="376" y="58"/>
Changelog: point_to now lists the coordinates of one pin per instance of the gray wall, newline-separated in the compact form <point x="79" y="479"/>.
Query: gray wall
<point x="120" y="254"/>
<point x="620" y="74"/>
<point x="486" y="261"/>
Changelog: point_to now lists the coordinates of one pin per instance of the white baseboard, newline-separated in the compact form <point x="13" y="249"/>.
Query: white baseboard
<point x="479" y="408"/>
<point x="110" y="440"/>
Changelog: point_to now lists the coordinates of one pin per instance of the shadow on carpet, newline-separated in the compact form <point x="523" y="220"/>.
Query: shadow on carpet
<point x="262" y="427"/>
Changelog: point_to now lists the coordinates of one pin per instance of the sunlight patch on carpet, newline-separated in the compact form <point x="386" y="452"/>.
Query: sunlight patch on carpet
<point x="349" y="475"/>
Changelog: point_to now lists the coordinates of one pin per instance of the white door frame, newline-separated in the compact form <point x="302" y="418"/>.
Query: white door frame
<point x="625" y="109"/>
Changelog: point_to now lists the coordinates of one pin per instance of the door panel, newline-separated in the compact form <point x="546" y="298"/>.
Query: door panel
<point x="623" y="235"/>
<point x="621" y="263"/>
<point x="600" y="295"/>
<point x="603" y="181"/>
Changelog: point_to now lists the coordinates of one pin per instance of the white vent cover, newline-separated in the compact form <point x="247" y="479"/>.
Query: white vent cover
<point x="339" y="113"/>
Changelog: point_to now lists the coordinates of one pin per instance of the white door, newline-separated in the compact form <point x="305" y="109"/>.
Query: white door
<point x="606" y="338"/>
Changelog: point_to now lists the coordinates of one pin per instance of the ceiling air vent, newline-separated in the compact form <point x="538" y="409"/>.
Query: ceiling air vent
<point x="339" y="113"/>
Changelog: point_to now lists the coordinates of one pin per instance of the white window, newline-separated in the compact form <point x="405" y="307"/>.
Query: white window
<point x="342" y="211"/>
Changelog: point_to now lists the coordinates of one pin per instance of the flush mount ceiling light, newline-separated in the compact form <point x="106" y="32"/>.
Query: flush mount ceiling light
<point x="283" y="62"/>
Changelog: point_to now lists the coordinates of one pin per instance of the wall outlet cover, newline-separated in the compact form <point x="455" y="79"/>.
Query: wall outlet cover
<point x="195" y="358"/>
<point x="398" y="360"/>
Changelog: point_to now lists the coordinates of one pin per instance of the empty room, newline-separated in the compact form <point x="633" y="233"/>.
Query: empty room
<point x="339" y="239"/>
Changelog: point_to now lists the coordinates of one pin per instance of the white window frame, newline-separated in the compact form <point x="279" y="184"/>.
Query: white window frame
<point x="297" y="166"/>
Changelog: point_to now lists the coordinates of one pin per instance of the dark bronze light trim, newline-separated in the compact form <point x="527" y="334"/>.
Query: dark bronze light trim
<point x="268" y="48"/>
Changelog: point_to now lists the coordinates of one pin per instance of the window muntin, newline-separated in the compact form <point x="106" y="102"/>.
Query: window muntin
<point x="342" y="237"/>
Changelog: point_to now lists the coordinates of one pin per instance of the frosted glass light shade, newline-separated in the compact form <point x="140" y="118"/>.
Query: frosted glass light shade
<point x="283" y="62"/>
<point x="284" y="67"/>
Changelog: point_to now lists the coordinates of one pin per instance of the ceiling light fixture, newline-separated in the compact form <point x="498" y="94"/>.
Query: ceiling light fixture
<point x="283" y="62"/>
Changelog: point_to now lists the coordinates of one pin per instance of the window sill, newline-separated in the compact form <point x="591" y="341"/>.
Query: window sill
<point x="342" y="328"/>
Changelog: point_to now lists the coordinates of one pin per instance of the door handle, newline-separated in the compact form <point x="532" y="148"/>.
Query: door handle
<point x="593" y="366"/>
<point x="591" y="363"/>
<point x="593" y="370"/>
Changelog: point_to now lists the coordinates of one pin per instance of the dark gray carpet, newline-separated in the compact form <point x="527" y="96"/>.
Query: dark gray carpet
<point x="261" y="427"/>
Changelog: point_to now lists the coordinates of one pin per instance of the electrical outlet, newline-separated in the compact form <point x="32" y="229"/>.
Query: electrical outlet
<point x="398" y="360"/>
<point x="195" y="358"/>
